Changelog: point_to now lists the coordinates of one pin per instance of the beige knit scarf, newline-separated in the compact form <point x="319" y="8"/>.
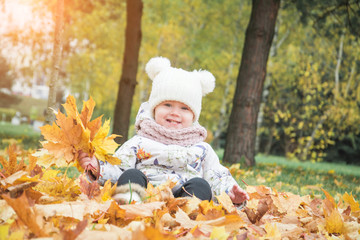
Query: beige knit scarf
<point x="184" y="137"/>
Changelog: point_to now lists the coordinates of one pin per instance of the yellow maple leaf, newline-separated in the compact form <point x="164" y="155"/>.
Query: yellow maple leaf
<point x="61" y="188"/>
<point x="105" y="145"/>
<point x="349" y="199"/>
<point x="11" y="165"/>
<point x="334" y="222"/>
<point x="74" y="132"/>
<point x="207" y="206"/>
<point x="107" y="191"/>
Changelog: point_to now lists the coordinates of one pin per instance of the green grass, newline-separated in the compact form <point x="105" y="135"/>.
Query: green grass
<point x="303" y="178"/>
<point x="23" y="133"/>
<point x="338" y="168"/>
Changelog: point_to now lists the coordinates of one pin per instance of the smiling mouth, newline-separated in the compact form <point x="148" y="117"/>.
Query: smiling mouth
<point x="172" y="121"/>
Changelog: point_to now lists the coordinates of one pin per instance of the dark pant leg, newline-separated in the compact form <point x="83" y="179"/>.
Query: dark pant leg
<point x="134" y="176"/>
<point x="195" y="186"/>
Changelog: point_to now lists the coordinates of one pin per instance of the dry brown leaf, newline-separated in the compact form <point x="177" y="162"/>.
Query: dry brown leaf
<point x="91" y="190"/>
<point x="262" y="208"/>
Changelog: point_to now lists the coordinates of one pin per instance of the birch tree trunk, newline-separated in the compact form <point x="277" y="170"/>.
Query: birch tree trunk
<point x="129" y="69"/>
<point x="56" y="59"/>
<point x="241" y="133"/>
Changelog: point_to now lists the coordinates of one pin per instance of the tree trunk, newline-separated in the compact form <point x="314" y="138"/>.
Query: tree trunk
<point x="59" y="27"/>
<point x="129" y="69"/>
<point x="241" y="133"/>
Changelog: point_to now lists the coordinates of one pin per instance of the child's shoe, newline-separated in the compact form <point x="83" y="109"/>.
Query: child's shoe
<point x="127" y="193"/>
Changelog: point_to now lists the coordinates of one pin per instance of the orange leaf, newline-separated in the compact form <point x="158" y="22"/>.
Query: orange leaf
<point x="329" y="202"/>
<point x="27" y="214"/>
<point x="87" y="111"/>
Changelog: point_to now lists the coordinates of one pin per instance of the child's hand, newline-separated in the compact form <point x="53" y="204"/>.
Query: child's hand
<point x="90" y="165"/>
<point x="238" y="195"/>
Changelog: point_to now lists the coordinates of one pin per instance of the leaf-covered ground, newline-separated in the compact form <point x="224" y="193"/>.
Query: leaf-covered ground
<point x="38" y="202"/>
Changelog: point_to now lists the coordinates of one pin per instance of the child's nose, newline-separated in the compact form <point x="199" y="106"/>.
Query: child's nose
<point x="175" y="111"/>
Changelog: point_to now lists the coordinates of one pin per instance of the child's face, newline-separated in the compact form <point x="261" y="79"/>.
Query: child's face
<point x="173" y="115"/>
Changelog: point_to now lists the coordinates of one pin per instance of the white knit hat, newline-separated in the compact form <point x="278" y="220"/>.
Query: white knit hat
<point x="176" y="84"/>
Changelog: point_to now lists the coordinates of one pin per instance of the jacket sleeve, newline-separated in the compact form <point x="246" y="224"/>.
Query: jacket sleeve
<point x="126" y="153"/>
<point x="217" y="175"/>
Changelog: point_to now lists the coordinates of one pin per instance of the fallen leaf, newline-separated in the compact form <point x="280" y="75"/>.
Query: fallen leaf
<point x="76" y="210"/>
<point x="91" y="190"/>
<point x="219" y="233"/>
<point x="226" y="202"/>
<point x="272" y="231"/>
<point x="334" y="222"/>
<point x="349" y="199"/>
<point x="28" y="215"/>
<point x="141" y="209"/>
<point x="73" y="234"/>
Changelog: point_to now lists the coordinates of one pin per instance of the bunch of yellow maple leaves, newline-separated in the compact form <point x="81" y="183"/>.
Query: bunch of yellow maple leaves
<point x="75" y="132"/>
<point x="37" y="201"/>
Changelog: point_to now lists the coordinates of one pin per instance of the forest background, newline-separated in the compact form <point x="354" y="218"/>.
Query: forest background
<point x="311" y="95"/>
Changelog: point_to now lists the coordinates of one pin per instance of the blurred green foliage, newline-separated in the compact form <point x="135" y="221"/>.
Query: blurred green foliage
<point x="23" y="135"/>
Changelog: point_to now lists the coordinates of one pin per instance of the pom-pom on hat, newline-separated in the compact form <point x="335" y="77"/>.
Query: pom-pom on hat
<point x="176" y="84"/>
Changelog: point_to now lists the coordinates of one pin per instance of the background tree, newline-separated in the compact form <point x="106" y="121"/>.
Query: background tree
<point x="310" y="106"/>
<point x="130" y="64"/>
<point x="59" y="25"/>
<point x="241" y="134"/>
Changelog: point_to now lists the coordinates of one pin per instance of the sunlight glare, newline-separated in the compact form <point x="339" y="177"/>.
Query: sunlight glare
<point x="16" y="14"/>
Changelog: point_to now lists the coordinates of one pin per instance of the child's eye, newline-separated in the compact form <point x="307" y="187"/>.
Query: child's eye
<point x="167" y="104"/>
<point x="185" y="108"/>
